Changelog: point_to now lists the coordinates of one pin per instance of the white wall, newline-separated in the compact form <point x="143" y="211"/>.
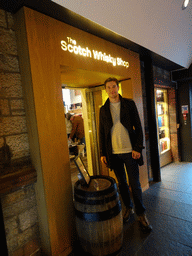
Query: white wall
<point x="160" y="26"/>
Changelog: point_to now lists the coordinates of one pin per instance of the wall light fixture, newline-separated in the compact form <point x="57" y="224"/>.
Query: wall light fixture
<point x="185" y="4"/>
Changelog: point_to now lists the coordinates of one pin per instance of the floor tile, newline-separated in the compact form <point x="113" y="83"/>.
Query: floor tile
<point x="171" y="185"/>
<point x="172" y="228"/>
<point x="158" y="245"/>
<point x="169" y="209"/>
<point x="181" y="210"/>
<point x="153" y="203"/>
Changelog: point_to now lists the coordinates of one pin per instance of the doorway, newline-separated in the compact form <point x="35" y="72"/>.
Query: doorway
<point x="74" y="120"/>
<point x="87" y="102"/>
<point x="81" y="98"/>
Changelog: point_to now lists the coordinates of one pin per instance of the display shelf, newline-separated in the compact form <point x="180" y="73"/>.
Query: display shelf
<point x="162" y="120"/>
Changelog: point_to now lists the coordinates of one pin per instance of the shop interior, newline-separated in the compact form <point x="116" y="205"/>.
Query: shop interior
<point x="73" y="108"/>
<point x="83" y="94"/>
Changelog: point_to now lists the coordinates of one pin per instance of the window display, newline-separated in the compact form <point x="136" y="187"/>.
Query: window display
<point x="162" y="120"/>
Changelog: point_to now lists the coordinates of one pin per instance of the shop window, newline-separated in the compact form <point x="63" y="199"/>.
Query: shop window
<point x="162" y="120"/>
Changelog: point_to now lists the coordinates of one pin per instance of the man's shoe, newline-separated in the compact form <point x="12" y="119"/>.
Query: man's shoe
<point x="144" y="223"/>
<point x="127" y="214"/>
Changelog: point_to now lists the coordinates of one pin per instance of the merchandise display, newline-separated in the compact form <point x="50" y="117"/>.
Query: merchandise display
<point x="162" y="120"/>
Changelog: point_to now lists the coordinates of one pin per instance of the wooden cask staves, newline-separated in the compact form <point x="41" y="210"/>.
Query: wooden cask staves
<point x="99" y="216"/>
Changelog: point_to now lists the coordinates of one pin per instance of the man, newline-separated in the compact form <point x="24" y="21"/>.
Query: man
<point x="121" y="143"/>
<point x="77" y="128"/>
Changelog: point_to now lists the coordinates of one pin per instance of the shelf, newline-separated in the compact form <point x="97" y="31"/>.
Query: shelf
<point x="162" y="120"/>
<point x="17" y="177"/>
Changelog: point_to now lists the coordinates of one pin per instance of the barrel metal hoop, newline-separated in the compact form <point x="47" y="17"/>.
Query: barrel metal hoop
<point x="96" y="201"/>
<point x="99" y="216"/>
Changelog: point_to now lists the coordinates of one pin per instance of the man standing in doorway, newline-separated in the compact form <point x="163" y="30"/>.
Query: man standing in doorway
<point x="121" y="143"/>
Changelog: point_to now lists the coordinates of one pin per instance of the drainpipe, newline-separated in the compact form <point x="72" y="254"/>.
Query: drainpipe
<point x="152" y="124"/>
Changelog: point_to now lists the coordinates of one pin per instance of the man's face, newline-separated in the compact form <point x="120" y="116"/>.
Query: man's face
<point x="112" y="89"/>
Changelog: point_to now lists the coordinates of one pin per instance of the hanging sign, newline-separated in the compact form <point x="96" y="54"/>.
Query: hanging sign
<point x="72" y="47"/>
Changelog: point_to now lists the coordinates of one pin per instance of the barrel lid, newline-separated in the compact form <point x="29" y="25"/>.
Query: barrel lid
<point x="98" y="185"/>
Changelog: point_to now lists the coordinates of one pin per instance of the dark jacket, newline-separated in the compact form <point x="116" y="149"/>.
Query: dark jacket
<point x="129" y="118"/>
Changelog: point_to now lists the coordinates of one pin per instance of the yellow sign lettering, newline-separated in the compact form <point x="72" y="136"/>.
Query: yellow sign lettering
<point x="71" y="46"/>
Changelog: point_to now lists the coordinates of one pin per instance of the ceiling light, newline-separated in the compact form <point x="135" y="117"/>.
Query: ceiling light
<point x="185" y="4"/>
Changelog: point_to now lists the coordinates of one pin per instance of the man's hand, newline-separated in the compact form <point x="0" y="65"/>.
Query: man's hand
<point x="135" y="154"/>
<point x="104" y="160"/>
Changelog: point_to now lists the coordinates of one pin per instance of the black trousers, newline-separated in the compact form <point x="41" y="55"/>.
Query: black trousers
<point x="132" y="168"/>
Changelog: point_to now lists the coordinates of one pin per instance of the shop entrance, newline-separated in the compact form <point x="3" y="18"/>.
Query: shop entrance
<point x="81" y="131"/>
<point x="51" y="54"/>
<point x="82" y="100"/>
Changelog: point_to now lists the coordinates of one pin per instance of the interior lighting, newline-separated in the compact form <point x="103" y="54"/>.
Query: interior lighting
<point x="185" y="4"/>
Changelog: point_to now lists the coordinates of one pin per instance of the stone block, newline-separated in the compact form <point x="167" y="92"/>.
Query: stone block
<point x="14" y="125"/>
<point x="29" y="190"/>
<point x="3" y="22"/>
<point x="18" y="112"/>
<point x="17" y="104"/>
<point x="8" y="43"/>
<point x="27" y="235"/>
<point x="12" y="198"/>
<point x="11" y="227"/>
<point x="10" y="85"/>
<point x="28" y="219"/>
<point x="10" y="21"/>
<point x="19" y="145"/>
<point x="12" y="244"/>
<point x="19" y="207"/>
<point x="4" y="107"/>
<point x="9" y="63"/>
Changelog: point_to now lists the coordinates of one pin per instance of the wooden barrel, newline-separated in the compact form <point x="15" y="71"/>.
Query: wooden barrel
<point x="99" y="216"/>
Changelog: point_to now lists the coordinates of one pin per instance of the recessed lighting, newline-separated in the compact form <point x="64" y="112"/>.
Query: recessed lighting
<point x="185" y="4"/>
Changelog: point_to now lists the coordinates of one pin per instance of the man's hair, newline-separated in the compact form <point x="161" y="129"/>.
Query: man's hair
<point x="110" y="79"/>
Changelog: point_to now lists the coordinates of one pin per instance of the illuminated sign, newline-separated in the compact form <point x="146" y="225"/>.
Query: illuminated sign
<point x="71" y="46"/>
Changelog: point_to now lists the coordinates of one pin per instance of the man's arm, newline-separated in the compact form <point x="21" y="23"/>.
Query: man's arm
<point x="102" y="139"/>
<point x="74" y="127"/>
<point x="138" y="130"/>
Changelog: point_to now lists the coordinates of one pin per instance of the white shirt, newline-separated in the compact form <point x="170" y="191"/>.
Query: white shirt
<point x="119" y="134"/>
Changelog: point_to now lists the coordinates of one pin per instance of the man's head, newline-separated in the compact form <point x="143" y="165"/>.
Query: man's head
<point x="112" y="88"/>
<point x="111" y="79"/>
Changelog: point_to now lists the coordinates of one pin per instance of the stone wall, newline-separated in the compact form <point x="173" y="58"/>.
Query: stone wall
<point x="19" y="207"/>
<point x="13" y="128"/>
<point x="21" y="221"/>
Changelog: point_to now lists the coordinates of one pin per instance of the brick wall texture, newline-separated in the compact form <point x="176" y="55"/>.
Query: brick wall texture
<point x="19" y="208"/>
<point x="21" y="221"/>
<point x="13" y="127"/>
